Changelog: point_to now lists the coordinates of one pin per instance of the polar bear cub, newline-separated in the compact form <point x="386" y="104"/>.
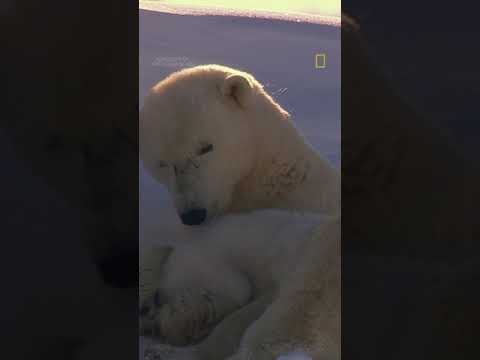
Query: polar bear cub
<point x="258" y="286"/>
<point x="221" y="144"/>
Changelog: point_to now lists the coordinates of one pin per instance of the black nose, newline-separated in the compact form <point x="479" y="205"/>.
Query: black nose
<point x="194" y="216"/>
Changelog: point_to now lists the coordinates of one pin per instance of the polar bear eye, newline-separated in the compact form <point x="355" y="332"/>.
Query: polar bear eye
<point x="205" y="149"/>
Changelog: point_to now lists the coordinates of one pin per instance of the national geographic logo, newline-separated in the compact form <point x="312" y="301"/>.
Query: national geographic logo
<point x="320" y="61"/>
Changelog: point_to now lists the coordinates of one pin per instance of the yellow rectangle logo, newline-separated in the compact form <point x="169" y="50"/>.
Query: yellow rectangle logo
<point x="320" y="61"/>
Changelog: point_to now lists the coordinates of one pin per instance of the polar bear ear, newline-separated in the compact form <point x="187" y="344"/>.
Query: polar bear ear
<point x="238" y="88"/>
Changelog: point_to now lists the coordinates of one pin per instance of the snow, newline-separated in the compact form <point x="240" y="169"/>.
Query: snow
<point x="325" y="12"/>
<point x="279" y="51"/>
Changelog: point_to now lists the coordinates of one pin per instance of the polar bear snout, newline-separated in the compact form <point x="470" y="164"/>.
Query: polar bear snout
<point x="193" y="217"/>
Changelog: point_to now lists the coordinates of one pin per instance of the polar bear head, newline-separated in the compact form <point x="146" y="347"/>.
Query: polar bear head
<point x="198" y="136"/>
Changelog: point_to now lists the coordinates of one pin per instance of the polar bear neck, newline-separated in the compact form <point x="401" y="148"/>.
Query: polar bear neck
<point x="288" y="173"/>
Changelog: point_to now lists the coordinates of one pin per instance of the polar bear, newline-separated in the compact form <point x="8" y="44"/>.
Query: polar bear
<point x="251" y="286"/>
<point x="221" y="144"/>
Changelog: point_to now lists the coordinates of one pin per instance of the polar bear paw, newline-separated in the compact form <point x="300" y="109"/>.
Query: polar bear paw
<point x="180" y="320"/>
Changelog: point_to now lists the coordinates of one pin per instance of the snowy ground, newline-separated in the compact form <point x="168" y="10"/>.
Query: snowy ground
<point x="281" y="54"/>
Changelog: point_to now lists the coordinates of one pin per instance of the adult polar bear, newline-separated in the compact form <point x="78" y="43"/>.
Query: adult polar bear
<point x="221" y="144"/>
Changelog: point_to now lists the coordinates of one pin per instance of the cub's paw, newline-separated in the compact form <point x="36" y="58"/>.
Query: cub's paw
<point x="180" y="320"/>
